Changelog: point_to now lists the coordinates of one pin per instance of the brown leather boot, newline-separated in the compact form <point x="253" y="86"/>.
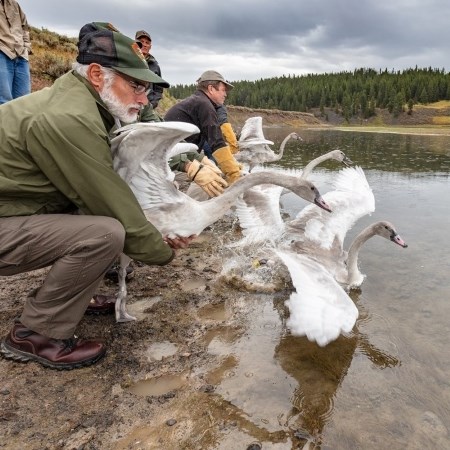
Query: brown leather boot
<point x="22" y="344"/>
<point x="101" y="304"/>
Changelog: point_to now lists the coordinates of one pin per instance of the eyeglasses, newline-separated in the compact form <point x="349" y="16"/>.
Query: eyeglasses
<point x="140" y="88"/>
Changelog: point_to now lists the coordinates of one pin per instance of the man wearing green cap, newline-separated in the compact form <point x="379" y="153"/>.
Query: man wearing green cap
<point x="54" y="160"/>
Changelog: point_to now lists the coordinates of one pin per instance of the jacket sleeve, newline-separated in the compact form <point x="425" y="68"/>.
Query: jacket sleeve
<point x="210" y="127"/>
<point x="77" y="161"/>
<point x="148" y="114"/>
<point x="178" y="161"/>
<point x="222" y="114"/>
<point x="26" y="30"/>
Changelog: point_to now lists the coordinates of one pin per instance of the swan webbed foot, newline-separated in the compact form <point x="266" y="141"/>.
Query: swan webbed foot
<point x="121" y="311"/>
<point x="125" y="317"/>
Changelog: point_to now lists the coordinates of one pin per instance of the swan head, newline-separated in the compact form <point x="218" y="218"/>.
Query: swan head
<point x="340" y="156"/>
<point x="295" y="136"/>
<point x="306" y="190"/>
<point x="387" y="230"/>
<point x="320" y="202"/>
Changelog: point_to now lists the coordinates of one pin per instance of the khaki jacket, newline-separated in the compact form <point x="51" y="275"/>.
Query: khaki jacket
<point x="55" y="156"/>
<point x="14" y="34"/>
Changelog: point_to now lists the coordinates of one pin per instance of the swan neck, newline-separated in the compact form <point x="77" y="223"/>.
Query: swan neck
<point x="312" y="164"/>
<point x="252" y="179"/>
<point x="283" y="144"/>
<point x="353" y="252"/>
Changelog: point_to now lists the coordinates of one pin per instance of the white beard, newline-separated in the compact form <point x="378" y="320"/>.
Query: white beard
<point x="115" y="106"/>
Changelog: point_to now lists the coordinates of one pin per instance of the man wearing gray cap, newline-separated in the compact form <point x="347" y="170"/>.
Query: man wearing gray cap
<point x="55" y="159"/>
<point x="200" y="110"/>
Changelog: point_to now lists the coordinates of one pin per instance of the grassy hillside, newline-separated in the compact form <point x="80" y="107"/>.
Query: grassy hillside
<point x="52" y="56"/>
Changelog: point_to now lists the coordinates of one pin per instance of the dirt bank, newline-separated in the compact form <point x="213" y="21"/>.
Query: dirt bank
<point x="435" y="116"/>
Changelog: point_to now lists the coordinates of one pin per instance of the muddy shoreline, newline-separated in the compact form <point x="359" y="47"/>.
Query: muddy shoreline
<point x="155" y="387"/>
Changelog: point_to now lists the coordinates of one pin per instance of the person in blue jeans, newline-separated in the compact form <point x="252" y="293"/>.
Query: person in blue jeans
<point x="15" y="46"/>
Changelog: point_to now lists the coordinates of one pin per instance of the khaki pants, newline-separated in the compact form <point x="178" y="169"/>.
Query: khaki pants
<point x="80" y="250"/>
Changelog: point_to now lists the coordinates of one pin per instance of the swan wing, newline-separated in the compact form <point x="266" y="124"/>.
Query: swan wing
<point x="167" y="208"/>
<point x="252" y="133"/>
<point x="152" y="188"/>
<point x="147" y="142"/>
<point x="319" y="309"/>
<point x="181" y="147"/>
<point x="351" y="199"/>
<point x="258" y="211"/>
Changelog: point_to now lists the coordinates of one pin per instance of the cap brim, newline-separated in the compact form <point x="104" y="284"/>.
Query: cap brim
<point x="143" y="75"/>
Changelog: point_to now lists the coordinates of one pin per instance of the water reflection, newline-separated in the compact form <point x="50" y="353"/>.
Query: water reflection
<point x="320" y="371"/>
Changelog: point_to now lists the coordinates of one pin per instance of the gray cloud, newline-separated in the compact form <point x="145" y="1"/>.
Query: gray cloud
<point x="253" y="39"/>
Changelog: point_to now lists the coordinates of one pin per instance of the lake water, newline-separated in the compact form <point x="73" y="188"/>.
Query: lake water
<point x="387" y="386"/>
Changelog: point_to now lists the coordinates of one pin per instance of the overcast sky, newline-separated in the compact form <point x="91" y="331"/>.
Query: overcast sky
<point x="253" y="39"/>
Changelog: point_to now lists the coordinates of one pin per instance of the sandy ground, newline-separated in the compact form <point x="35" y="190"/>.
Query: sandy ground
<point x="108" y="405"/>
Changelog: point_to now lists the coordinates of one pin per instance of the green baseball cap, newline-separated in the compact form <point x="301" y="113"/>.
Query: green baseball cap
<point x="102" y="43"/>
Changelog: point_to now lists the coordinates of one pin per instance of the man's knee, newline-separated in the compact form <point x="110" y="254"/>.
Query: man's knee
<point x="113" y="233"/>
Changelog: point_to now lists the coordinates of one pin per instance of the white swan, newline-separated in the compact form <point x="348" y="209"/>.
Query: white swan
<point x="258" y="208"/>
<point x="129" y="154"/>
<point x="311" y="247"/>
<point x="321" y="309"/>
<point x="322" y="236"/>
<point x="254" y="147"/>
<point x="140" y="156"/>
<point x="321" y="270"/>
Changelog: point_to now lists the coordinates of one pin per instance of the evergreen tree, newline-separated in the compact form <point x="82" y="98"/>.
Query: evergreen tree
<point x="356" y="93"/>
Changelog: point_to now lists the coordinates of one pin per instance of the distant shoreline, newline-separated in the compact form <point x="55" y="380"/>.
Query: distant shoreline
<point x="422" y="130"/>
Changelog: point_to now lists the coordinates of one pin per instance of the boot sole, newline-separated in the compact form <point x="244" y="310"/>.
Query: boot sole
<point x="12" y="353"/>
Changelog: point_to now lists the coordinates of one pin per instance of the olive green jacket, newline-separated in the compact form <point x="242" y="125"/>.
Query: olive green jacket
<point x="55" y="157"/>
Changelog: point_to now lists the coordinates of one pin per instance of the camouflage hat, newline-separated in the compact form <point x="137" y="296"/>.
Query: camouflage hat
<point x="141" y="33"/>
<point x="212" y="75"/>
<point x="102" y="43"/>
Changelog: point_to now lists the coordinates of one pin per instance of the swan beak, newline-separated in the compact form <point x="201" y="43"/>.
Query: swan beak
<point x="347" y="161"/>
<point x="320" y="202"/>
<point x="398" y="240"/>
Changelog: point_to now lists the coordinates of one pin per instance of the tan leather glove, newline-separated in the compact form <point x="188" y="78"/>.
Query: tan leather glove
<point x="228" y="165"/>
<point x="207" y="162"/>
<point x="230" y="137"/>
<point x="207" y="178"/>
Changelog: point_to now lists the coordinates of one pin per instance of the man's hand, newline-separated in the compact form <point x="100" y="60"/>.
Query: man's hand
<point x="207" y="162"/>
<point x="227" y="164"/>
<point x="178" y="242"/>
<point x="207" y="176"/>
<point x="230" y="137"/>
